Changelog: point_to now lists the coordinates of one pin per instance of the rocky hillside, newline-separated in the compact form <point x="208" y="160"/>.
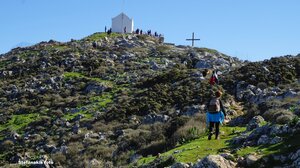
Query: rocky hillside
<point x="113" y="100"/>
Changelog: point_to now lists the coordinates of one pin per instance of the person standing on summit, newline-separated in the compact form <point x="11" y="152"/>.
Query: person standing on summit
<point x="215" y="114"/>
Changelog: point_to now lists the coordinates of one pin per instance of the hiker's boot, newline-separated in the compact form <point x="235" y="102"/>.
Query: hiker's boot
<point x="209" y="136"/>
<point x="217" y="136"/>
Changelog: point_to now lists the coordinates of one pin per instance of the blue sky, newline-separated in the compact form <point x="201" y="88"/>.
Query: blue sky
<point x="250" y="30"/>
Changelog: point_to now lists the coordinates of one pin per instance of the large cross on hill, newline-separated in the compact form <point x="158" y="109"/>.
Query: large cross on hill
<point x="192" y="39"/>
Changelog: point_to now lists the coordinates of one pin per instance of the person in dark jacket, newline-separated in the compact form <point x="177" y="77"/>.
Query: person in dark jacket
<point x="215" y="114"/>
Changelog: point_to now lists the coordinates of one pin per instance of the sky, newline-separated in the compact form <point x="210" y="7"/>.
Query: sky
<point x="252" y="30"/>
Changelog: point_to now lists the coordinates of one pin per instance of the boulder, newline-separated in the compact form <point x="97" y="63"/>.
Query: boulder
<point x="180" y="165"/>
<point x="49" y="148"/>
<point x="295" y="155"/>
<point x="255" y="122"/>
<point x="258" y="132"/>
<point x="97" y="115"/>
<point x="227" y="156"/>
<point x="125" y="43"/>
<point x="264" y="139"/>
<point x="133" y="119"/>
<point x="153" y="118"/>
<point x="134" y="158"/>
<point x="97" y="88"/>
<point x="182" y="46"/>
<point x="75" y="128"/>
<point x="194" y="55"/>
<point x="208" y="54"/>
<point x="237" y="121"/>
<point x="113" y="56"/>
<point x="296" y="163"/>
<point x="119" y="132"/>
<point x="275" y="140"/>
<point x="240" y="87"/>
<point x="266" y="69"/>
<point x="281" y="158"/>
<point x="251" y="159"/>
<point x="16" y="158"/>
<point x="290" y="94"/>
<point x="68" y="124"/>
<point x="94" y="163"/>
<point x="191" y="110"/>
<point x="58" y="122"/>
<point x="239" y="139"/>
<point x="127" y="56"/>
<point x="154" y="65"/>
<point x="277" y="130"/>
<point x="215" y="161"/>
<point x="102" y="136"/>
<point x="232" y="112"/>
<point x="222" y="62"/>
<point x="203" y="64"/>
<point x="15" y="136"/>
<point x="63" y="149"/>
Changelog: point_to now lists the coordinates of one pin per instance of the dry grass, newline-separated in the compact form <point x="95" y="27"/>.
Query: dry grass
<point x="100" y="151"/>
<point x="279" y="115"/>
<point x="191" y="130"/>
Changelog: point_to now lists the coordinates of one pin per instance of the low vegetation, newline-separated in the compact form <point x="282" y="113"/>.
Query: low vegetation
<point x="107" y="98"/>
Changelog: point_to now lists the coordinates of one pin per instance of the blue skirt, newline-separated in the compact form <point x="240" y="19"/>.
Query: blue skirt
<point x="215" y="117"/>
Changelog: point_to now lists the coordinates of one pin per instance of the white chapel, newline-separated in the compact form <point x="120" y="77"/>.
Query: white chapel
<point x="122" y="24"/>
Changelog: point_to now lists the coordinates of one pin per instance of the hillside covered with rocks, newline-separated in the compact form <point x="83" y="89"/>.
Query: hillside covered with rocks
<point x="134" y="101"/>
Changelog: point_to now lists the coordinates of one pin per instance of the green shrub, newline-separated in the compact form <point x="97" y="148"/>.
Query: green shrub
<point x="162" y="48"/>
<point x="7" y="144"/>
<point x="294" y="121"/>
<point x="100" y="151"/>
<point x="279" y="115"/>
<point x="284" y="119"/>
<point x="142" y="37"/>
<point x="59" y="159"/>
<point x="154" y="148"/>
<point x="262" y="85"/>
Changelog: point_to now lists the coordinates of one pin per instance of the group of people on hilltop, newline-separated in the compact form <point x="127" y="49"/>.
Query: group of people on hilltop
<point x="137" y="31"/>
<point x="109" y="31"/>
<point x="215" y="111"/>
<point x="149" y="33"/>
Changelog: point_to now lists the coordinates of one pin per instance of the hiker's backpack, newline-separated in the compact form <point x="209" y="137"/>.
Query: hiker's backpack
<point x="214" y="105"/>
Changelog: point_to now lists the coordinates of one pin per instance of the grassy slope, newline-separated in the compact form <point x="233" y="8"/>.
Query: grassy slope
<point x="199" y="148"/>
<point x="19" y="121"/>
<point x="96" y="102"/>
<point x="290" y="144"/>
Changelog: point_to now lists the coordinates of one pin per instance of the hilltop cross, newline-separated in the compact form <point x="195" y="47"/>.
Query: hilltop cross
<point x="192" y="39"/>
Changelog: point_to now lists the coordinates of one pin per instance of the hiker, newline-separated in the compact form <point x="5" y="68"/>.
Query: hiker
<point x="205" y="72"/>
<point x="215" y="114"/>
<point x="105" y="29"/>
<point x="214" y="79"/>
<point x="137" y="31"/>
<point x="125" y="29"/>
<point x="109" y="31"/>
